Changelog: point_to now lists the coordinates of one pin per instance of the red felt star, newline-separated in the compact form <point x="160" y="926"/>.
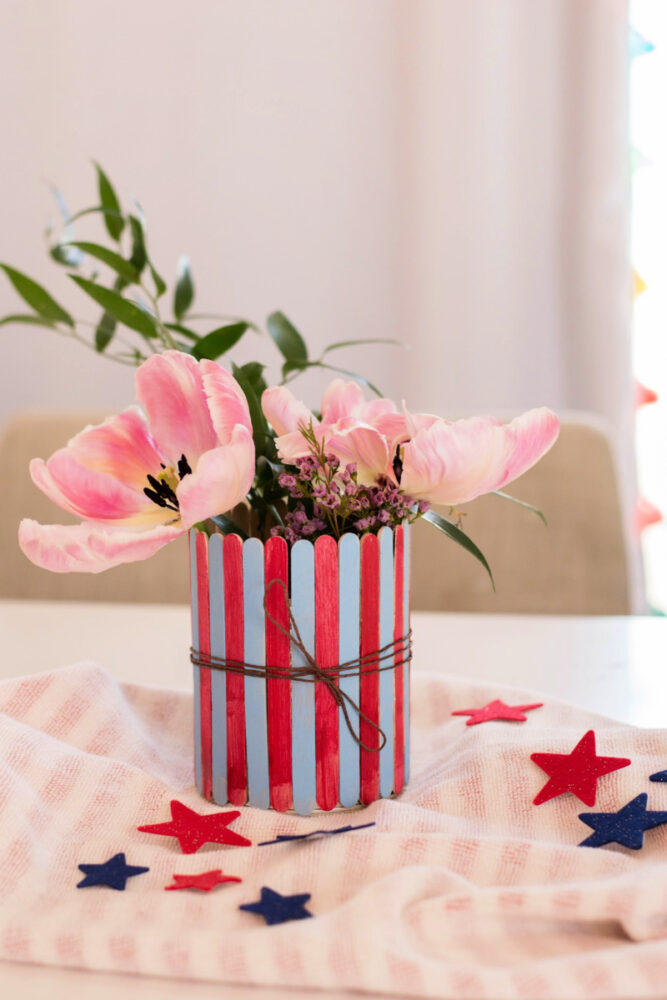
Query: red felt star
<point x="192" y="829"/>
<point x="206" y="881"/>
<point x="575" y="772"/>
<point x="496" y="710"/>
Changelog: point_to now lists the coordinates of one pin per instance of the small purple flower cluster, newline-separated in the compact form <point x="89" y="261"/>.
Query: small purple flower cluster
<point x="326" y="499"/>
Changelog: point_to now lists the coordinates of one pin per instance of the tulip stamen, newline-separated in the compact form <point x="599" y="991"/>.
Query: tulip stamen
<point x="163" y="486"/>
<point x="397" y="464"/>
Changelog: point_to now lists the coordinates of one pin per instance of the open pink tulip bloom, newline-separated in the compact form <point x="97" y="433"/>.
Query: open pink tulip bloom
<point x="430" y="458"/>
<point x="141" y="479"/>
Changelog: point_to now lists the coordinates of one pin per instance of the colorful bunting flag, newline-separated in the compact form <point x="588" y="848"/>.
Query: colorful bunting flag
<point x="646" y="514"/>
<point x="638" y="45"/>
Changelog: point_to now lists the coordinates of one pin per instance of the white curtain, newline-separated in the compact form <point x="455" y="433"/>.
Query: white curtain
<point x="452" y="174"/>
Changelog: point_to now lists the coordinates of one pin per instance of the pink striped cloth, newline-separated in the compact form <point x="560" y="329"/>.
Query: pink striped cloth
<point x="462" y="889"/>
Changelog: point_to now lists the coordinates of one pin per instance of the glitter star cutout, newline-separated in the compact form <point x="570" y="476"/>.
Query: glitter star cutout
<point x="625" y="827"/>
<point x="277" y="909"/>
<point x="114" y="873"/>
<point x="575" y="772"/>
<point x="659" y="776"/>
<point x="206" y="881"/>
<point x="282" y="837"/>
<point x="192" y="829"/>
<point x="497" y="710"/>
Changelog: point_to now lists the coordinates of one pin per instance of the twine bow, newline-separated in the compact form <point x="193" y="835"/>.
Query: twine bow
<point x="398" y="652"/>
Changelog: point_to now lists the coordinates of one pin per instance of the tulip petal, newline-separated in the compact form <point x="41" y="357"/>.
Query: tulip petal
<point x="221" y="479"/>
<point x="171" y="389"/>
<point x="364" y="446"/>
<point x="121" y="447"/>
<point x="341" y="399"/>
<point x="226" y="400"/>
<point x="530" y="436"/>
<point x="453" y="463"/>
<point x="91" y="495"/>
<point x="87" y="548"/>
<point x="284" y="412"/>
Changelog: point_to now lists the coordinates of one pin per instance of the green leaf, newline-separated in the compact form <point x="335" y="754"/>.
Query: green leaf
<point x="121" y="309"/>
<point x="158" y="281"/>
<point x="354" y="343"/>
<point x="138" y="257"/>
<point x="219" y="341"/>
<point x="227" y="526"/>
<point x="113" y="218"/>
<point x="287" y="338"/>
<point x="27" y="319"/>
<point x="125" y="268"/>
<point x="522" y="503"/>
<point x="297" y="366"/>
<point x="460" y="537"/>
<point x="104" y="332"/>
<point x="184" y="330"/>
<point x="184" y="292"/>
<point x="96" y="210"/>
<point x="254" y="372"/>
<point x="37" y="297"/>
<point x="260" y="428"/>
<point x="62" y="255"/>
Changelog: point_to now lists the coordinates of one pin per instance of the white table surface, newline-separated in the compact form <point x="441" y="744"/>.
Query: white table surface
<point x="615" y="666"/>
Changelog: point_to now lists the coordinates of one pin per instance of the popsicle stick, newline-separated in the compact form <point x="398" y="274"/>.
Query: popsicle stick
<point x="278" y="691"/>
<point x="236" y="752"/>
<point x="216" y="591"/>
<point x="369" y="686"/>
<point x="194" y="612"/>
<point x="255" y="687"/>
<point x="348" y="649"/>
<point x="204" y="673"/>
<point x="386" y="677"/>
<point x="406" y="628"/>
<point x="326" y="654"/>
<point x="399" y="743"/>
<point x="303" y="694"/>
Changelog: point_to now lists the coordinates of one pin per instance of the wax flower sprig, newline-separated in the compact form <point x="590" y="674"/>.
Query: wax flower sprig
<point x="331" y="501"/>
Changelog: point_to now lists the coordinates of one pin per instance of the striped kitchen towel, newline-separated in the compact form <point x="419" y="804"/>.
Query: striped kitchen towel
<point x="463" y="888"/>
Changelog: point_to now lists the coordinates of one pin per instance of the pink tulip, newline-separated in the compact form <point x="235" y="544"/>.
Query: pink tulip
<point x="431" y="458"/>
<point x="452" y="463"/>
<point x="355" y="430"/>
<point x="139" y="481"/>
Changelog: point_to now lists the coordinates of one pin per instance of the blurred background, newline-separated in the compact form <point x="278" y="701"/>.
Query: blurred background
<point x="457" y="176"/>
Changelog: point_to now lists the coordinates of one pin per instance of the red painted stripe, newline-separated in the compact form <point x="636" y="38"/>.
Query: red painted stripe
<point x="237" y="774"/>
<point x="204" y="653"/>
<point x="326" y="654"/>
<point x="370" y="679"/>
<point x="399" y="718"/>
<point x="278" y="692"/>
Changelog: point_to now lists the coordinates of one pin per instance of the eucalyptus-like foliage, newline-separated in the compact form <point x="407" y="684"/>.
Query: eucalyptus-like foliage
<point x="140" y="314"/>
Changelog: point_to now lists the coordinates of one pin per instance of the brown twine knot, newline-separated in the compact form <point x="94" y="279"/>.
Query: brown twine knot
<point x="311" y="672"/>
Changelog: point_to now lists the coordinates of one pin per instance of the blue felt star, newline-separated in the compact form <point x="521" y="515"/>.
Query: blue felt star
<point x="277" y="909"/>
<point x="659" y="776"/>
<point x="282" y="837"/>
<point x="625" y="827"/>
<point x="114" y="873"/>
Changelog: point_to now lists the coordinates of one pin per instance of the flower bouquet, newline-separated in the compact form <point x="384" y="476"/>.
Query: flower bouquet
<point x="299" y="524"/>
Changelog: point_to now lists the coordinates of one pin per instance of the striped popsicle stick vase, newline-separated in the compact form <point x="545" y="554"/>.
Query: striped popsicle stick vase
<point x="281" y="743"/>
